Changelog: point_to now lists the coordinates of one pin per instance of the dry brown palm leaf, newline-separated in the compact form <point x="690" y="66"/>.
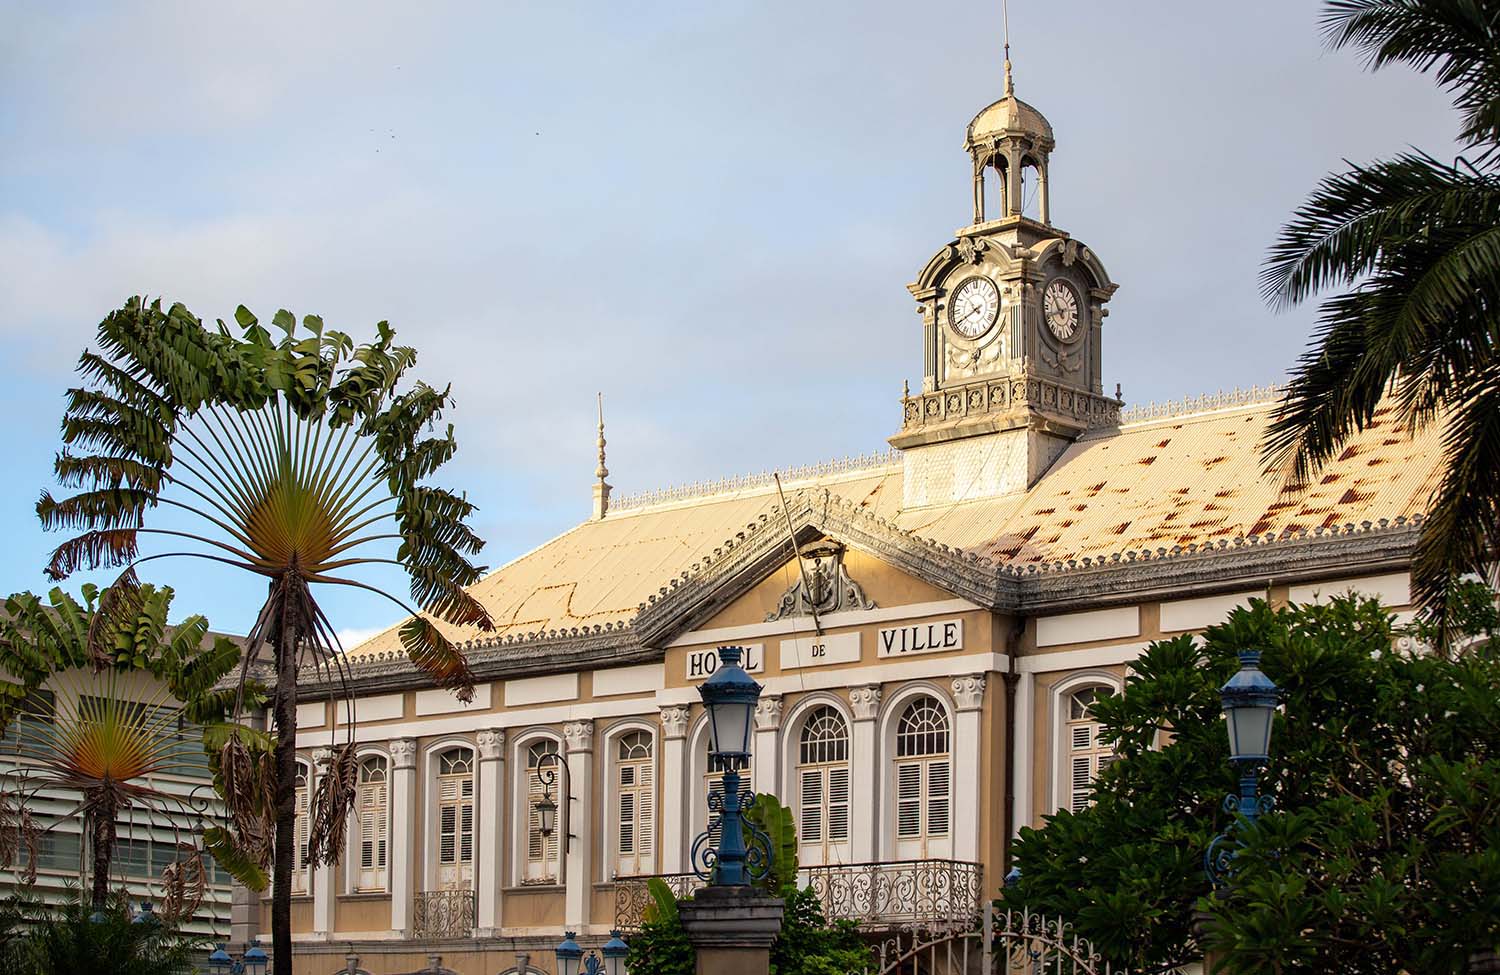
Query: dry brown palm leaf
<point x="184" y="883"/>
<point x="332" y="800"/>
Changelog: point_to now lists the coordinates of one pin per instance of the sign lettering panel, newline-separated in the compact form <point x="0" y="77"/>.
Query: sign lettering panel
<point x="904" y="641"/>
<point x="819" y="651"/>
<point x="701" y="663"/>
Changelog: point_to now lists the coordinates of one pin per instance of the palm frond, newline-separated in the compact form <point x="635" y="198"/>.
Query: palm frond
<point x="1460" y="39"/>
<point x="435" y="655"/>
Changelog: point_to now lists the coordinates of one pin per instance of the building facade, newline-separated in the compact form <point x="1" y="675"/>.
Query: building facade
<point x="931" y="624"/>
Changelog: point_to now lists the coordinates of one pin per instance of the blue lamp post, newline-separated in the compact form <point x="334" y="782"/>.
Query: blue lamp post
<point x="729" y="694"/>
<point x="1249" y="699"/>
<point x="572" y="961"/>
<point x="252" y="962"/>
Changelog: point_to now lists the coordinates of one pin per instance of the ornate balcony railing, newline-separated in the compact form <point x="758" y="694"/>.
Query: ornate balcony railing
<point x="632" y="898"/>
<point x="903" y="894"/>
<point x="925" y="894"/>
<point x="443" y="914"/>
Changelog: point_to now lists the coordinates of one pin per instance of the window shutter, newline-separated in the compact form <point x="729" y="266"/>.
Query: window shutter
<point x="812" y="805"/>
<point x="909" y="799"/>
<point x="937" y="798"/>
<point x="627" y="823"/>
<point x="645" y="818"/>
<point x="1081" y="780"/>
<point x="838" y="803"/>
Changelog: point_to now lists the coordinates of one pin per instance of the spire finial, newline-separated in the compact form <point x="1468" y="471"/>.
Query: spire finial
<point x="601" y="488"/>
<point x="602" y="472"/>
<point x="1010" y="88"/>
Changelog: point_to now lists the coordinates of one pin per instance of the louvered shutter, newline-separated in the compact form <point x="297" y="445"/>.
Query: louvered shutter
<point x="938" y="798"/>
<point x="909" y="799"/>
<point x="838" y="804"/>
<point x="812" y="805"/>
<point x="299" y="858"/>
<point x="1081" y="779"/>
<point x="466" y="822"/>
<point x="448" y="808"/>
<point x="372" y="835"/>
<point x="645" y="818"/>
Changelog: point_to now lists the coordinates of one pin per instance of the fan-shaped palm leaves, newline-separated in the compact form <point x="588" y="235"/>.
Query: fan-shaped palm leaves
<point x="1417" y="242"/>
<point x="78" y="733"/>
<point x="298" y="459"/>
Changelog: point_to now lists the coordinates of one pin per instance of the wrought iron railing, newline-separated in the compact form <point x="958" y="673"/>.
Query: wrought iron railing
<point x="926" y="894"/>
<point x="632" y="898"/>
<point x="910" y="894"/>
<point x="443" y="914"/>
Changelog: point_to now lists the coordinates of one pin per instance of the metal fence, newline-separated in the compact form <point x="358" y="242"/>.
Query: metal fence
<point x="443" y="914"/>
<point x="927" y="894"/>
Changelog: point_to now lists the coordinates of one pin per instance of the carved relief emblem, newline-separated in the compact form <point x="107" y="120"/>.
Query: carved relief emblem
<point x="824" y="585"/>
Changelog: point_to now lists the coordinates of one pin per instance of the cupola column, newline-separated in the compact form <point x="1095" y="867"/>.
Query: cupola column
<point x="1044" y="205"/>
<point x="1013" y="188"/>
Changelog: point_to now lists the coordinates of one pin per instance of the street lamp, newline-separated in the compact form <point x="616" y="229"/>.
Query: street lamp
<point x="572" y="961"/>
<point x="546" y="808"/>
<point x="1249" y="699"/>
<point x="729" y="694"/>
<point x="252" y="962"/>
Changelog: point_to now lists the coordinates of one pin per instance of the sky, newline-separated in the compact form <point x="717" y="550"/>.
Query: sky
<point x="707" y="211"/>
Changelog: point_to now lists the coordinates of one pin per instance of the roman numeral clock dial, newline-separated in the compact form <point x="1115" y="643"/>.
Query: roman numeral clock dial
<point x="974" y="307"/>
<point x="1060" y="303"/>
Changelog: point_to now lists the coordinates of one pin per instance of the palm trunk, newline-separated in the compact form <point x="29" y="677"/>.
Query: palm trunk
<point x="104" y="847"/>
<point x="285" y="707"/>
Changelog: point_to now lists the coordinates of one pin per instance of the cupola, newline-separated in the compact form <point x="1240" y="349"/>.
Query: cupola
<point x="1011" y="138"/>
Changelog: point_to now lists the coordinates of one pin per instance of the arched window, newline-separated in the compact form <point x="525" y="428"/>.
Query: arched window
<point x="923" y="781"/>
<point x="372" y="808"/>
<point x="1087" y="756"/>
<point x="299" y="847"/>
<point x="455" y="819"/>
<point x="635" y="805"/>
<point x="823" y="786"/>
<point x="541" y="851"/>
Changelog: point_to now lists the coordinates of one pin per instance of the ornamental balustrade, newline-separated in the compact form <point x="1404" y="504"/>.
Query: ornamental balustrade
<point x="444" y="914"/>
<point x="902" y="894"/>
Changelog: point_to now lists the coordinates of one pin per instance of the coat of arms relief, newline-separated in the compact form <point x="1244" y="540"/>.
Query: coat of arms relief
<point x="823" y="586"/>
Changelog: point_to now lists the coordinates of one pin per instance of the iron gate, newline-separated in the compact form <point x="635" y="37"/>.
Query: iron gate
<point x="1005" y="943"/>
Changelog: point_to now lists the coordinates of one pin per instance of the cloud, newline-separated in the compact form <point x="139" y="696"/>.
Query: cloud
<point x="709" y="212"/>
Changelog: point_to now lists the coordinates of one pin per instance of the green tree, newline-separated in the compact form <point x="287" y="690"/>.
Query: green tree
<point x="91" y="741"/>
<point x="1381" y="855"/>
<point x="1413" y="246"/>
<point x="298" y="459"/>
<point x="80" y="938"/>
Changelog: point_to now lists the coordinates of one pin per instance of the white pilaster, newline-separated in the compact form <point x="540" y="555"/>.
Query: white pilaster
<point x="765" y="767"/>
<point x="674" y="773"/>
<point x="968" y="695"/>
<point x="864" y="772"/>
<point x="323" y="876"/>
<point x="402" y="864"/>
<point x="1021" y="752"/>
<point x="491" y="828"/>
<point x="579" y="825"/>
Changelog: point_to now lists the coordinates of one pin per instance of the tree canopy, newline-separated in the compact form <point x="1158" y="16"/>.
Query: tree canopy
<point x="1383" y="851"/>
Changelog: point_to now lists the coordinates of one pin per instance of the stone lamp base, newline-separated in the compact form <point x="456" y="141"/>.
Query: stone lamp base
<point x="731" y="929"/>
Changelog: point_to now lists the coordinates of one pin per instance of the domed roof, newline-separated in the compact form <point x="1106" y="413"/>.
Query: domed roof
<point x="1008" y="116"/>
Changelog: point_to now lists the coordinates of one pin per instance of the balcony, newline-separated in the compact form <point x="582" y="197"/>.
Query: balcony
<point x="895" y="895"/>
<point x="443" y="914"/>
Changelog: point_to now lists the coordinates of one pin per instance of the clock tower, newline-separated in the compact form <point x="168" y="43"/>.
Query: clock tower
<point x="1012" y="316"/>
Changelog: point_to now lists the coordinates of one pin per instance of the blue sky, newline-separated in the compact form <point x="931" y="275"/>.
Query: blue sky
<point x="709" y="211"/>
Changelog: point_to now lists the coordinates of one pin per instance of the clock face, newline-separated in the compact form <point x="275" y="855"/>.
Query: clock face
<point x="1060" y="302"/>
<point x="974" y="307"/>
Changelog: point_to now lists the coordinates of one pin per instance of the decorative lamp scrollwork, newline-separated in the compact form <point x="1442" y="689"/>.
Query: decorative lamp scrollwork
<point x="1249" y="700"/>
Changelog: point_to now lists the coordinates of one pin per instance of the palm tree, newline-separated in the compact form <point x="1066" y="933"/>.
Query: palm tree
<point x="1414" y="244"/>
<point x="76" y="732"/>
<point x="297" y="459"/>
